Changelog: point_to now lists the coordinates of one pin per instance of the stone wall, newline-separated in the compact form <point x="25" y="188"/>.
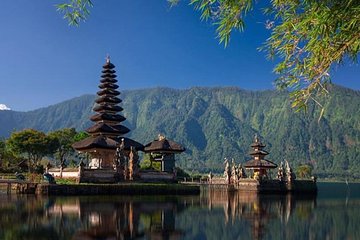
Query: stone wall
<point x="65" y="173"/>
<point x="154" y="176"/>
<point x="99" y="176"/>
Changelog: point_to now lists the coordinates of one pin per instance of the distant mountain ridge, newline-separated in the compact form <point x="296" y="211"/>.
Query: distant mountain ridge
<point x="213" y="123"/>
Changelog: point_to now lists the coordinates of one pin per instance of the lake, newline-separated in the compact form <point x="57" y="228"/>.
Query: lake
<point x="333" y="214"/>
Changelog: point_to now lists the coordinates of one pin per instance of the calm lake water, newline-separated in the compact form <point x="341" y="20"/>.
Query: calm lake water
<point x="333" y="214"/>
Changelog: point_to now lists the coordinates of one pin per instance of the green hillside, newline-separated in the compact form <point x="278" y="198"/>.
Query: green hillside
<point x="213" y="123"/>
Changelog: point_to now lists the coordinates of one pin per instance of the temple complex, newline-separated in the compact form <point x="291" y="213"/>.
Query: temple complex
<point x="114" y="157"/>
<point x="258" y="164"/>
<point x="107" y="133"/>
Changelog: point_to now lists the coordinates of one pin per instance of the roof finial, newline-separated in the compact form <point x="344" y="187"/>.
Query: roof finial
<point x="161" y="137"/>
<point x="256" y="138"/>
<point x="107" y="58"/>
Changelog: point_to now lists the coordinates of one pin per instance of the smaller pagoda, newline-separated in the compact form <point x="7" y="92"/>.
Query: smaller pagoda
<point x="163" y="150"/>
<point x="258" y="164"/>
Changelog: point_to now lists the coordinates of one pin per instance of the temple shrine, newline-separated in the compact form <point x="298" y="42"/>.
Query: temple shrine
<point x="258" y="164"/>
<point x="114" y="157"/>
<point x="163" y="150"/>
<point x="107" y="133"/>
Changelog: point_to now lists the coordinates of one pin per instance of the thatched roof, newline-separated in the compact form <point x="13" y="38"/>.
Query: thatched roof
<point x="259" y="152"/>
<point x="106" y="143"/>
<point x="164" y="145"/>
<point x="108" y="70"/>
<point x="106" y="91"/>
<point x="263" y="163"/>
<point x="106" y="116"/>
<point x="108" y="85"/>
<point x="108" y="80"/>
<point x="105" y="128"/>
<point x="130" y="143"/>
<point x="258" y="144"/>
<point x="107" y="108"/>
<point x="95" y="142"/>
<point x="108" y="99"/>
<point x="108" y="75"/>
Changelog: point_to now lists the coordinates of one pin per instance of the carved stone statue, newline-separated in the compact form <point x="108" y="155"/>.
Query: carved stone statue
<point x="120" y="160"/>
<point x="241" y="172"/>
<point x="136" y="163"/>
<point x="233" y="172"/>
<point x="133" y="164"/>
<point x="210" y="176"/>
<point x="281" y="172"/>
<point x="227" y="171"/>
<point x="290" y="176"/>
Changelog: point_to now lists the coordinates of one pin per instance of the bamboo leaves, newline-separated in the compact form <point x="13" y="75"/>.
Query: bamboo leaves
<point x="309" y="37"/>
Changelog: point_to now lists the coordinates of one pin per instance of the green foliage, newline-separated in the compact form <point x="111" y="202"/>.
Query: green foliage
<point x="75" y="11"/>
<point x="31" y="143"/>
<point x="63" y="139"/>
<point x="303" y="171"/>
<point x="147" y="164"/>
<point x="8" y="159"/>
<point x="80" y="136"/>
<point x="309" y="36"/>
<point x="213" y="123"/>
<point x="39" y="169"/>
<point x="66" y="181"/>
<point x="181" y="173"/>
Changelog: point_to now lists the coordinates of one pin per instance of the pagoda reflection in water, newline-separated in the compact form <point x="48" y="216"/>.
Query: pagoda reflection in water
<point x="210" y="215"/>
<point x="121" y="219"/>
<point x="259" y="210"/>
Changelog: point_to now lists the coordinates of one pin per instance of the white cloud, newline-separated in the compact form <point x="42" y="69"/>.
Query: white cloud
<point x="4" y="107"/>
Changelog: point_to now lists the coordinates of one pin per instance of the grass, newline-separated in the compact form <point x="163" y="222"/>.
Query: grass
<point x="66" y="181"/>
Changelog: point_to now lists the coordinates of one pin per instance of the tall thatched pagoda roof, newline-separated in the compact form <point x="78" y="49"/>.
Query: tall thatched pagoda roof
<point x="107" y="130"/>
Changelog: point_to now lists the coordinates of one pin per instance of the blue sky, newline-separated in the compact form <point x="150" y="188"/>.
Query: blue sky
<point x="44" y="61"/>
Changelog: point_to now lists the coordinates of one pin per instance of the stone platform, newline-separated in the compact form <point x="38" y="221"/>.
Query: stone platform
<point x="266" y="186"/>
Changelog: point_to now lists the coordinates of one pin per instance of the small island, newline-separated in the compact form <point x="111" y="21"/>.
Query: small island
<point x="112" y="163"/>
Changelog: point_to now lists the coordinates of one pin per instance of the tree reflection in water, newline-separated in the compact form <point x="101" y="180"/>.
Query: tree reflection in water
<point x="257" y="210"/>
<point x="212" y="215"/>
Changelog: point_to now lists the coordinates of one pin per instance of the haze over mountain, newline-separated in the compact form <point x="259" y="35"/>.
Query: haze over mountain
<point x="213" y="123"/>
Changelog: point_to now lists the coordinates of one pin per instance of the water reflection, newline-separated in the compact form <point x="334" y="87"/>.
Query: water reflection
<point x="25" y="217"/>
<point x="121" y="218"/>
<point x="258" y="210"/>
<point x="212" y="215"/>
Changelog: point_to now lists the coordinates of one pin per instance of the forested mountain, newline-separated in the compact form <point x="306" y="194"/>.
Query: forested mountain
<point x="213" y="123"/>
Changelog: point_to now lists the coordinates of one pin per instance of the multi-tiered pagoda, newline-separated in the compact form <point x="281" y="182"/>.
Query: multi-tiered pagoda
<point x="258" y="164"/>
<point x="107" y="132"/>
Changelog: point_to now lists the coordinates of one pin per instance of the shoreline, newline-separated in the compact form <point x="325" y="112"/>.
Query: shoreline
<point x="116" y="189"/>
